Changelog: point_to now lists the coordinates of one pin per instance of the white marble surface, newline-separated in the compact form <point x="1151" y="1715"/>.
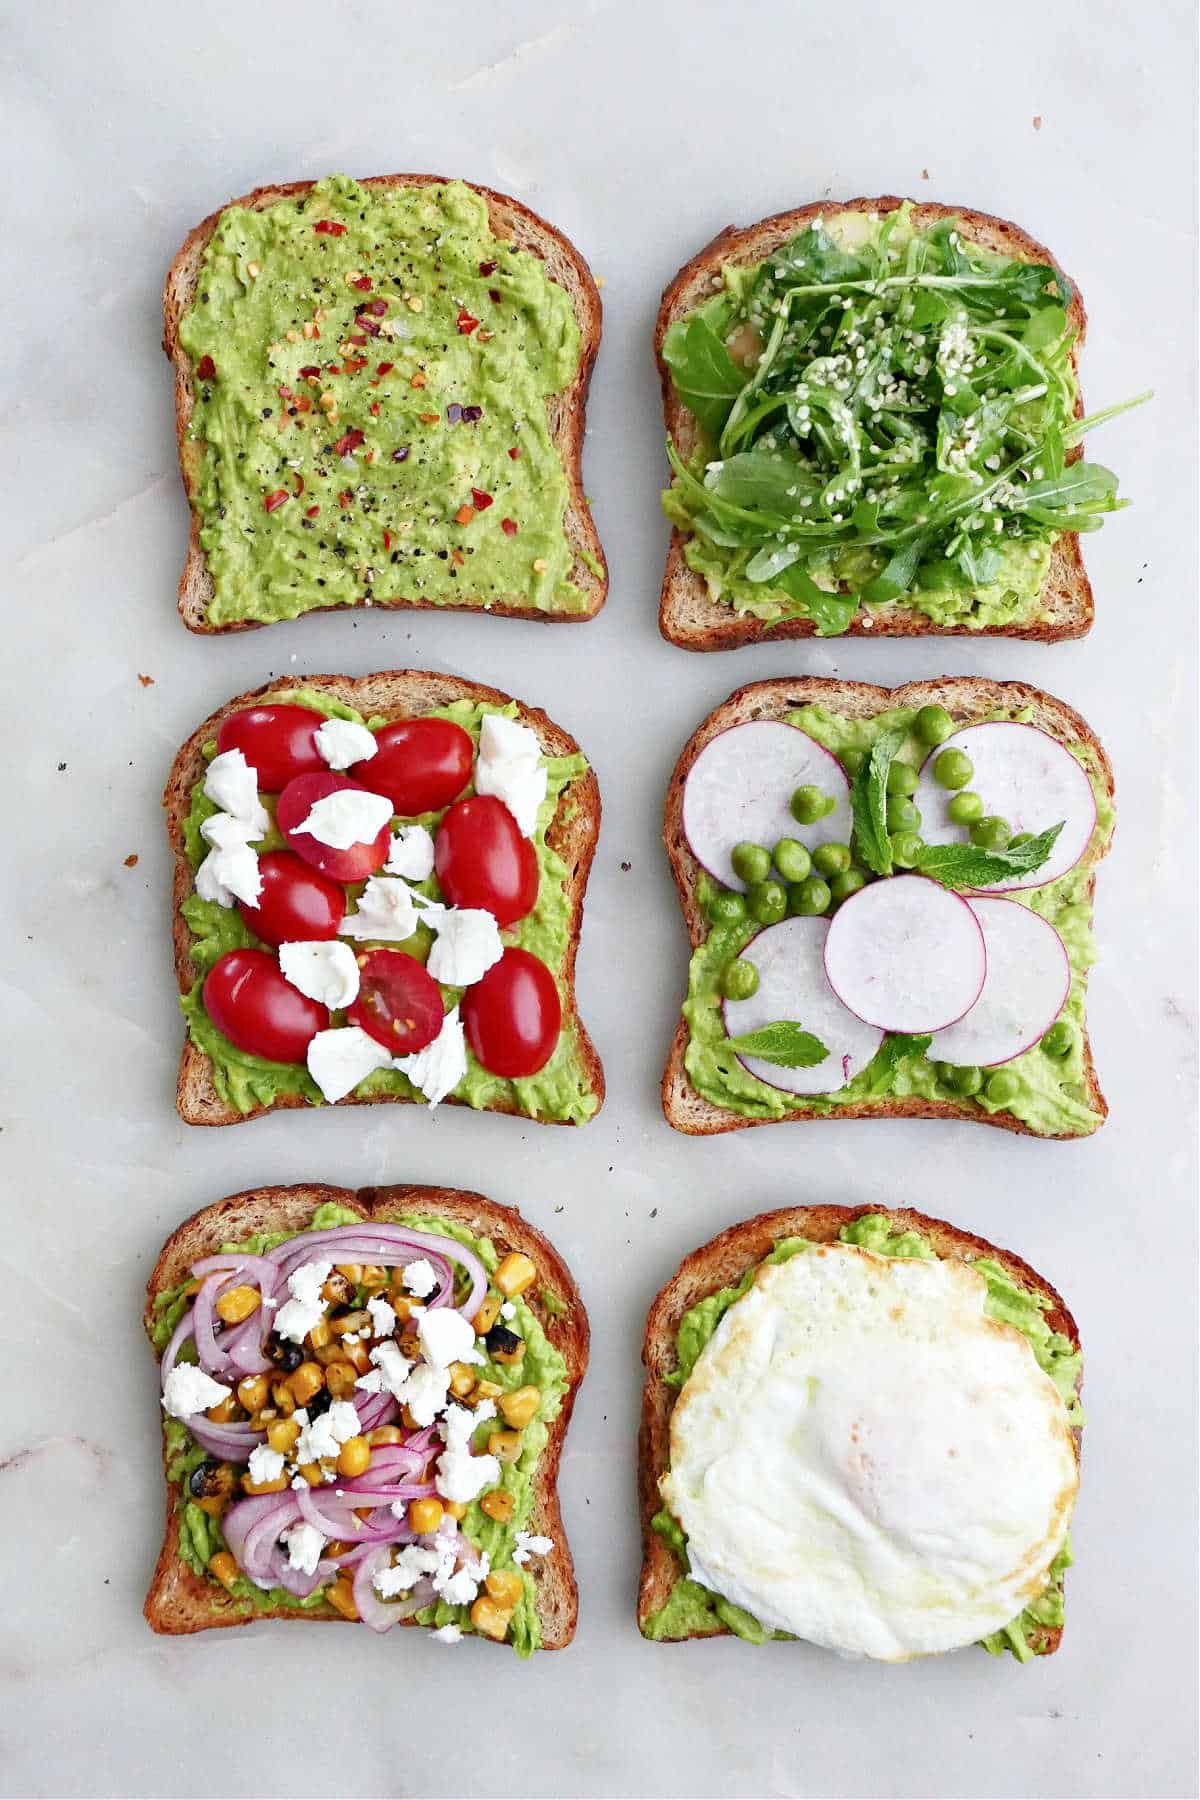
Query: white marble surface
<point x="641" y="129"/>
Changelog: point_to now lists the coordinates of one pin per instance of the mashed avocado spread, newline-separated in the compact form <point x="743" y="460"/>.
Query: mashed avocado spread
<point x="692" y="1610"/>
<point x="1050" y="1094"/>
<point x="560" y="1090"/>
<point x="372" y="368"/>
<point x="543" y="1366"/>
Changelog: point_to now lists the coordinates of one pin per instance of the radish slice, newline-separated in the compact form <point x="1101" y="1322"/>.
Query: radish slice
<point x="740" y="787"/>
<point x="906" y="954"/>
<point x="792" y="985"/>
<point x="1023" y="775"/>
<point x="1028" y="980"/>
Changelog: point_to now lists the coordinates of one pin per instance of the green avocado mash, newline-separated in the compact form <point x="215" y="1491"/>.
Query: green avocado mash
<point x="200" y="1536"/>
<point x="1051" y="1096"/>
<point x="691" y="1610"/>
<point x="884" y="419"/>
<point x="369" y="364"/>
<point x="560" y="1090"/>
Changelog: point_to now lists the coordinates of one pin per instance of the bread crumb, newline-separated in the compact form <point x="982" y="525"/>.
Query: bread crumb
<point x="924" y="174"/>
<point x="1037" y="121"/>
<point x="131" y="860"/>
<point x="146" y="680"/>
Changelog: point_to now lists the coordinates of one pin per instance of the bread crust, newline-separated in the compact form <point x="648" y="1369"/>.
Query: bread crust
<point x="396" y="694"/>
<point x="966" y="698"/>
<point x="180" y="1602"/>
<point x="566" y="411"/>
<point x="722" y="1262"/>
<point x="688" y="616"/>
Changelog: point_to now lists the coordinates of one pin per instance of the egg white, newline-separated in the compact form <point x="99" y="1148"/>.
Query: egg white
<point x="863" y="1458"/>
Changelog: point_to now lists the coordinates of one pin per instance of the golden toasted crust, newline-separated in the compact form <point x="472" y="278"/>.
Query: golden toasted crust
<point x="966" y="698"/>
<point x="566" y="412"/>
<point x="722" y="1263"/>
<point x="394" y="694"/>
<point x="688" y="616"/>
<point x="179" y="1601"/>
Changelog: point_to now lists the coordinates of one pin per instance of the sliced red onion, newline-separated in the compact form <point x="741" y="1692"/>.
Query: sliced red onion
<point x="379" y="1614"/>
<point x="232" y="1443"/>
<point x="395" y="1244"/>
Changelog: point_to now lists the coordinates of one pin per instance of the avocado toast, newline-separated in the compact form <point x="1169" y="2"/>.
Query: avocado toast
<point x="380" y="391"/>
<point x="873" y="419"/>
<point x="457" y="981"/>
<point x="1011" y="1323"/>
<point x="777" y="750"/>
<point x="472" y="1539"/>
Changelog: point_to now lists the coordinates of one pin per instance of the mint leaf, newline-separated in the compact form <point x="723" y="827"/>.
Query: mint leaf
<point x="966" y="866"/>
<point x="784" y="1043"/>
<point x="830" y="613"/>
<point x="880" y="1072"/>
<point x="868" y="802"/>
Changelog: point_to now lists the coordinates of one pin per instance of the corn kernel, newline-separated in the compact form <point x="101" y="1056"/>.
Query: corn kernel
<point x="253" y="1391"/>
<point x="424" y="1515"/>
<point x="516" y="1355"/>
<point x="238" y="1304"/>
<point x="505" y="1587"/>
<point x="308" y="1380"/>
<point x="351" y="1322"/>
<point x="311" y="1473"/>
<point x="341" y="1597"/>
<point x="281" y="1394"/>
<point x="406" y="1415"/>
<point x="224" y="1412"/>
<point x="320" y="1335"/>
<point x="276" y="1486"/>
<point x="516" y="1272"/>
<point x="520" y="1406"/>
<point x="282" y="1435"/>
<point x="385" y="1434"/>
<point x="505" y="1445"/>
<point x="352" y="1272"/>
<point x="498" y="1505"/>
<point x="224" y="1568"/>
<point x="490" y="1619"/>
<point x="338" y="1289"/>
<point x="354" y="1457"/>
<point x="374" y="1277"/>
<point x="462" y="1380"/>
<point x="340" y="1378"/>
<point x="487" y="1390"/>
<point x="358" y="1356"/>
<point x="455" y="1509"/>
<point x="214" y="1507"/>
<point x="487" y="1315"/>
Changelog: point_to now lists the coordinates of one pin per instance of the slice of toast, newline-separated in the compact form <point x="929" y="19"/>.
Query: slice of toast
<point x="180" y="1601"/>
<point x="566" y="411"/>
<point x="395" y="694"/>
<point x="688" y="615"/>
<point x="966" y="698"/>
<point x="722" y="1263"/>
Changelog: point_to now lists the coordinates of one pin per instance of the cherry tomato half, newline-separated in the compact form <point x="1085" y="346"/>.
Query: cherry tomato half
<point x="279" y="741"/>
<point x="421" y="764"/>
<point x="512" y="1017"/>
<point x="297" y="905"/>
<point x="293" y="807"/>
<point x="247" y="998"/>
<point x="399" y="1003"/>
<point x="483" y="861"/>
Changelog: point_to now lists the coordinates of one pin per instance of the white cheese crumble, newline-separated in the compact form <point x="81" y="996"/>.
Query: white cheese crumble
<point x="386" y="911"/>
<point x="447" y="1634"/>
<point x="411" y="854"/>
<point x="230" y="874"/>
<point x="232" y="784"/>
<point x="298" y="1315"/>
<point x="383" y="1316"/>
<point x="529" y="1544"/>
<point x="446" y="1337"/>
<point x="321" y="1438"/>
<point x="326" y="971"/>
<point x="304" y="1546"/>
<point x="510" y="767"/>
<point x="466" y="946"/>
<point x="188" y="1390"/>
<point x="347" y="816"/>
<point x="340" y="1058"/>
<point x="341" y="743"/>
<point x="420" y="1278"/>
<point x="439" y="1067"/>
<point x="461" y="1477"/>
<point x="391" y="1371"/>
<point x="265" y="1464"/>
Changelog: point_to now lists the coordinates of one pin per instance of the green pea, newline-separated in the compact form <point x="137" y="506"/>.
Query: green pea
<point x="739" y="979"/>
<point x="965" y="808"/>
<point x="960" y="1078"/>
<point x="792" y="860"/>
<point x="810" y="804"/>
<point x="767" y="901"/>
<point x="852" y="760"/>
<point x="933" y="725"/>
<point x="1002" y="1087"/>
<point x="751" y="862"/>
<point x="952" y="769"/>
<point x="901" y="778"/>
<point x="807" y="898"/>
<point x="725" y="907"/>
<point x="902" y="815"/>
<point x="991" y="832"/>
<point x="1022" y="837"/>
<point x="906" y="848"/>
<point x="831" y="859"/>
<point x="1059" y="1040"/>
<point x="847" y="883"/>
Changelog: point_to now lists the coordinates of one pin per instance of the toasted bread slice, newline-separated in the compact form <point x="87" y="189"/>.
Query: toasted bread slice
<point x="722" y="1263"/>
<point x="688" y="616"/>
<point x="180" y="1601"/>
<point x="511" y="222"/>
<point x="966" y="698"/>
<point x="396" y="694"/>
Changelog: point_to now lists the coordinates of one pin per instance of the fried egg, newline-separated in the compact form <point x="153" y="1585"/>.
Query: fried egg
<point x="863" y="1458"/>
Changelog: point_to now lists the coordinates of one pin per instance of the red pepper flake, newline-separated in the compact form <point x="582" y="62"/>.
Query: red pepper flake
<point x="285" y="393"/>
<point x="374" y="409"/>
<point x="311" y="371"/>
<point x="365" y="324"/>
<point x="384" y="368"/>
<point x="304" y="404"/>
<point x="297" y="483"/>
<point x="279" y="498"/>
<point x="206" y="368"/>
<point x="458" y="559"/>
<point x="329" y="228"/>
<point x="479" y="500"/>
<point x="357" y="337"/>
<point x="509" y="527"/>
<point x="466" y="323"/>
<point x="387" y="540"/>
<point x="494" y="294"/>
<point x="464" y="515"/>
<point x="344" y="500"/>
<point x="312" y="512"/>
<point x="378" y="307"/>
<point x="488" y="268"/>
<point x="363" y="284"/>
<point x="514" y="453"/>
<point x="353" y="364"/>
<point x="350" y="442"/>
<point x="334" y="368"/>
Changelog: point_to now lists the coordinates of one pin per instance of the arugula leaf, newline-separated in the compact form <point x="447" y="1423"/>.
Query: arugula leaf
<point x="897" y="577"/>
<point x="784" y="1043"/>
<point x="980" y="566"/>
<point x="966" y="866"/>
<point x="868" y="802"/>
<point x="830" y="613"/>
<point x="705" y="376"/>
<point x="880" y="1072"/>
<point x="1079" y="484"/>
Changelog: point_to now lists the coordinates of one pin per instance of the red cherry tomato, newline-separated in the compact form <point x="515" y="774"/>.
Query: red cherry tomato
<point x="293" y="807"/>
<point x="421" y="765"/>
<point x="247" y="998"/>
<point x="399" y="1003"/>
<point x="483" y="861"/>
<point x="512" y="1017"/>
<point x="297" y="905"/>
<point x="279" y="741"/>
